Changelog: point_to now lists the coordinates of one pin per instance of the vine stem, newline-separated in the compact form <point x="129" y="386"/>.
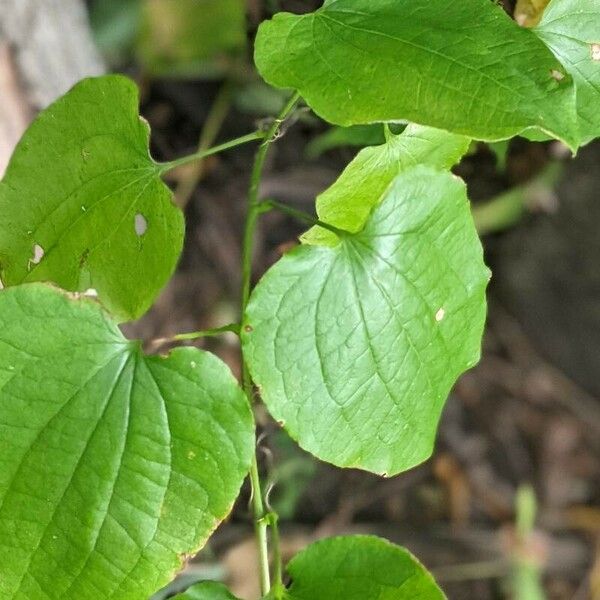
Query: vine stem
<point x="203" y="153"/>
<point x="254" y="209"/>
<point x="194" y="335"/>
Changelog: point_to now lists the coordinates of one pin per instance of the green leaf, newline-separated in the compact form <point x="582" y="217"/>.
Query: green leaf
<point x="447" y="65"/>
<point x="359" y="568"/>
<point x="191" y="37"/>
<point x="348" y="202"/>
<point x="355" y="347"/>
<point x="82" y="203"/>
<point x="114" y="466"/>
<point x="571" y="29"/>
<point x="207" y="590"/>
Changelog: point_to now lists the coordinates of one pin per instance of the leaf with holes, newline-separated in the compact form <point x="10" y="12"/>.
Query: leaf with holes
<point x="348" y="202"/>
<point x="465" y="67"/>
<point x="207" y="590"/>
<point x="359" y="568"/>
<point x="355" y="347"/>
<point x="571" y="29"/>
<point x="82" y="204"/>
<point x="114" y="465"/>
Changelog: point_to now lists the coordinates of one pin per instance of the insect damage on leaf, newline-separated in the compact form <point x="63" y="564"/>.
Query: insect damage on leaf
<point x="140" y="225"/>
<point x="78" y="194"/>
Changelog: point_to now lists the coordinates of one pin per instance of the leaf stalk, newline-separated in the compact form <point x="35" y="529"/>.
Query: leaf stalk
<point x="203" y="153"/>
<point x="194" y="335"/>
<point x="300" y="215"/>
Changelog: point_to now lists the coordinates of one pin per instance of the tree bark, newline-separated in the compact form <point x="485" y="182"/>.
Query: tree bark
<point x="45" y="47"/>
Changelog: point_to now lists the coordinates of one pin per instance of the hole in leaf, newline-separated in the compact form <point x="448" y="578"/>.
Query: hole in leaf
<point x="595" y="48"/>
<point x="556" y="74"/>
<point x="440" y="314"/>
<point x="140" y="224"/>
<point x="38" y="254"/>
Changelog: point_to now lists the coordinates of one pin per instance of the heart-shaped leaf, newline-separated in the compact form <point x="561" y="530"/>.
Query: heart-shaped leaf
<point x="359" y="568"/>
<point x="348" y="202"/>
<point x="355" y="347"/>
<point x="571" y="29"/>
<point x="114" y="466"/>
<point x="82" y="204"/>
<point x="450" y="65"/>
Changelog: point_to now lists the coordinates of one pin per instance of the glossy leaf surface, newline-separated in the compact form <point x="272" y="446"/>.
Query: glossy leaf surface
<point x="571" y="29"/>
<point x="359" y="568"/>
<point x="82" y="203"/>
<point x="465" y="67"/>
<point x="355" y="347"/>
<point x="114" y="466"/>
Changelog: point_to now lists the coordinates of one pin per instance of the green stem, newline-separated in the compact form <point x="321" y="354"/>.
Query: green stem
<point x="277" y="559"/>
<point x="260" y="528"/>
<point x="201" y="154"/>
<point x="255" y="208"/>
<point x="304" y="217"/>
<point x="194" y="335"/>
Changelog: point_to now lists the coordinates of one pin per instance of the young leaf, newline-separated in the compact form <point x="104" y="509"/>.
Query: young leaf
<point x="355" y="347"/>
<point x="571" y="29"/>
<point x="359" y="567"/>
<point x="82" y="203"/>
<point x="448" y="65"/>
<point x="207" y="590"/>
<point x="348" y="202"/>
<point x="114" y="466"/>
